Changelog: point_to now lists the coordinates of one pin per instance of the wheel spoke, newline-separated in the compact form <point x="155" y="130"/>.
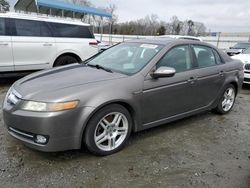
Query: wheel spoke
<point x="106" y="122"/>
<point x="103" y="125"/>
<point x="224" y="103"/>
<point x="121" y="131"/>
<point x="101" y="138"/>
<point x="230" y="93"/>
<point x="117" y="119"/>
<point x="111" y="142"/>
<point x="225" y="95"/>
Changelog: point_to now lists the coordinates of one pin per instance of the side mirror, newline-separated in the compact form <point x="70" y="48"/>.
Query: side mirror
<point x="163" y="72"/>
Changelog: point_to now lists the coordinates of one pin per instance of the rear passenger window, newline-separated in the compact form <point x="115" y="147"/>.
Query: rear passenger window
<point x="205" y="56"/>
<point x="71" y="31"/>
<point x="217" y="57"/>
<point x="31" y="28"/>
<point x="2" y="26"/>
<point x="178" y="58"/>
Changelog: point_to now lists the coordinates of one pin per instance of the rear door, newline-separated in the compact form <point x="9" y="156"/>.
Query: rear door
<point x="33" y="45"/>
<point x="6" y="56"/>
<point x="210" y="74"/>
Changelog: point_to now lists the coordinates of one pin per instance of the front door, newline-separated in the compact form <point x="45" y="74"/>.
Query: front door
<point x="167" y="97"/>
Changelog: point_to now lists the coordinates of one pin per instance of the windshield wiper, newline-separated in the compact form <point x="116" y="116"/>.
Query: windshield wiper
<point x="100" y="67"/>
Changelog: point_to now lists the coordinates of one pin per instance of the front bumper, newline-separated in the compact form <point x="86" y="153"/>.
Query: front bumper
<point x="63" y="129"/>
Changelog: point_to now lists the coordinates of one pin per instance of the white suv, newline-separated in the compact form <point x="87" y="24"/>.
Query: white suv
<point x="30" y="42"/>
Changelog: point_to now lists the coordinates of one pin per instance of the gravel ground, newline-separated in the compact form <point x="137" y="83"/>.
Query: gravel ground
<point x="206" y="150"/>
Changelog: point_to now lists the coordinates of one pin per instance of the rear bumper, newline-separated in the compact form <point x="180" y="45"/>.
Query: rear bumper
<point x="62" y="129"/>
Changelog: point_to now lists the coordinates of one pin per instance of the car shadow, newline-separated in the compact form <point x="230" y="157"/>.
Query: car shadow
<point x="8" y="81"/>
<point x="134" y="139"/>
<point x="246" y="86"/>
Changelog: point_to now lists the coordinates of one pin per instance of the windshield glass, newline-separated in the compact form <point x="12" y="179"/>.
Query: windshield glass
<point x="247" y="51"/>
<point x="126" y="58"/>
<point x="242" y="46"/>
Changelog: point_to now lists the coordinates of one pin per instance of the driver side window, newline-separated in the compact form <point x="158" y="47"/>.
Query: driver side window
<point x="178" y="58"/>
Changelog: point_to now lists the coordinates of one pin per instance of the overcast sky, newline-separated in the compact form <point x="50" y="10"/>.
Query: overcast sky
<point x="217" y="15"/>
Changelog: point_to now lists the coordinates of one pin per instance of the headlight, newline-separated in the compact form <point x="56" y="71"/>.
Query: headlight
<point x="48" y="107"/>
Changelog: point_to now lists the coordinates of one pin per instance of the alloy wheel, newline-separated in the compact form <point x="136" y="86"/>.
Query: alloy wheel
<point x="228" y="99"/>
<point x="111" y="131"/>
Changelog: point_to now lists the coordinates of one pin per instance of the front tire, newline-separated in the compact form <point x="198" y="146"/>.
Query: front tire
<point x="108" y="130"/>
<point x="227" y="100"/>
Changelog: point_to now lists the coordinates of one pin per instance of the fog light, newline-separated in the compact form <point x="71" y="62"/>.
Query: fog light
<point x="41" y="139"/>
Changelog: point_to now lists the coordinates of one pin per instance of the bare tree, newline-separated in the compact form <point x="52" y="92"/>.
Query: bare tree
<point x="199" y="29"/>
<point x="98" y="21"/>
<point x="176" y="25"/>
<point x="190" y="27"/>
<point x="151" y="25"/>
<point x="161" y="30"/>
<point x="4" y="5"/>
<point x="111" y="9"/>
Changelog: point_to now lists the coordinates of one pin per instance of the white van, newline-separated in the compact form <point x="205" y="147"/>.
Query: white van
<point x="29" y="42"/>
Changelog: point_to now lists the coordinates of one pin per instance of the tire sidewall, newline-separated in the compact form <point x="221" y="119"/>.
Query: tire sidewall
<point x="94" y="121"/>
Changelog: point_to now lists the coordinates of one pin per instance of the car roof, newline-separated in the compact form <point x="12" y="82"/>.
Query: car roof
<point x="159" y="41"/>
<point x="166" y="41"/>
<point x="181" y="37"/>
<point x="45" y="18"/>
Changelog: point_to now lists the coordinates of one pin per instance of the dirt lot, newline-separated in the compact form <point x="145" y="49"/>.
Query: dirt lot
<point x="202" y="151"/>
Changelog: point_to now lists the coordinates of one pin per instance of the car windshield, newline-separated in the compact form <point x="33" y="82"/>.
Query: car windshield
<point x="247" y="51"/>
<point x="242" y="46"/>
<point x="126" y="58"/>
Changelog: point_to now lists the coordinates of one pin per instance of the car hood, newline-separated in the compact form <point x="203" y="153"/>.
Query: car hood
<point x="61" y="78"/>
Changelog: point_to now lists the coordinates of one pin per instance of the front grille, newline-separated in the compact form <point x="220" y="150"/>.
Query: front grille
<point x="22" y="134"/>
<point x="247" y="79"/>
<point x="247" y="66"/>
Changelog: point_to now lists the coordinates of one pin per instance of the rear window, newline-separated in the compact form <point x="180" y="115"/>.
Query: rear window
<point x="70" y="31"/>
<point x="31" y="28"/>
<point x="2" y="26"/>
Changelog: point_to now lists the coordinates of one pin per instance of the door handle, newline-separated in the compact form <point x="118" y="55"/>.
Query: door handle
<point x="47" y="44"/>
<point x="221" y="73"/>
<point x="191" y="80"/>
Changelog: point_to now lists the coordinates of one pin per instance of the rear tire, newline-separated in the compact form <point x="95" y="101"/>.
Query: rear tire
<point x="65" y="60"/>
<point x="108" y="130"/>
<point x="227" y="100"/>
